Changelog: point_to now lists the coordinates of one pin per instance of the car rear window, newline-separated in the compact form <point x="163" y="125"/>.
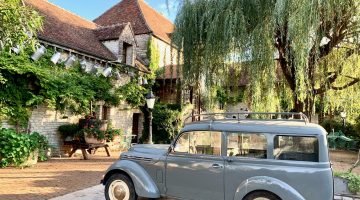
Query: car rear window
<point x="298" y="148"/>
<point x="252" y="145"/>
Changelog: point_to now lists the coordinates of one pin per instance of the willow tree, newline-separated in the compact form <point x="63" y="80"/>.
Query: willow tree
<point x="273" y="40"/>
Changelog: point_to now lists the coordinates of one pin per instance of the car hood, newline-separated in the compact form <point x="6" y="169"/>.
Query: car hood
<point x="155" y="149"/>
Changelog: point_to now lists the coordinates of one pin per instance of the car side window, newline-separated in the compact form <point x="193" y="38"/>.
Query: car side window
<point x="182" y="144"/>
<point x="299" y="148"/>
<point x="199" y="142"/>
<point x="252" y="145"/>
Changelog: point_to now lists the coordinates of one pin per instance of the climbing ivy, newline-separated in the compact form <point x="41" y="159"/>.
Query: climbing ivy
<point x="31" y="83"/>
<point x="154" y="57"/>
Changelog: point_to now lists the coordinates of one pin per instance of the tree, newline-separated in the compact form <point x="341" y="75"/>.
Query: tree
<point x="218" y="35"/>
<point x="18" y="25"/>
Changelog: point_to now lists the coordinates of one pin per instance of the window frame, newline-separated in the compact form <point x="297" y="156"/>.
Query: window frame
<point x="295" y="135"/>
<point x="198" y="155"/>
<point x="268" y="145"/>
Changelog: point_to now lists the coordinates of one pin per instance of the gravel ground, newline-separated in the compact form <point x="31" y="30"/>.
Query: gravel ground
<point x="61" y="176"/>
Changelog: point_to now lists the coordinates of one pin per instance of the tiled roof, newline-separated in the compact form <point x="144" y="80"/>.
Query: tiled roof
<point x="142" y="17"/>
<point x="66" y="29"/>
<point x="170" y="72"/>
<point x="111" y="32"/>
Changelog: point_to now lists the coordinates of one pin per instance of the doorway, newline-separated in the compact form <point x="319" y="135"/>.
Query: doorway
<point x="135" y="127"/>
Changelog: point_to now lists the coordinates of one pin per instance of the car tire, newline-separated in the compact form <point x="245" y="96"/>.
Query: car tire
<point x="261" y="195"/>
<point x="120" y="187"/>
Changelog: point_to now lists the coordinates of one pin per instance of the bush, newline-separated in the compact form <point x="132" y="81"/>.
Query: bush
<point x="336" y="124"/>
<point x="354" y="180"/>
<point x="166" y="123"/>
<point x="68" y="130"/>
<point x="15" y="148"/>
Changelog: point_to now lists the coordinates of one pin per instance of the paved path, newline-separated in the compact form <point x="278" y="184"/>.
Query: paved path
<point x="92" y="193"/>
<point x="97" y="193"/>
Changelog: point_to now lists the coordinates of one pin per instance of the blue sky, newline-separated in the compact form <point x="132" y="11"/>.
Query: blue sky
<point x="90" y="9"/>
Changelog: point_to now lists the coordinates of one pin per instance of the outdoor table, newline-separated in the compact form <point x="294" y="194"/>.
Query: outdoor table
<point x="86" y="147"/>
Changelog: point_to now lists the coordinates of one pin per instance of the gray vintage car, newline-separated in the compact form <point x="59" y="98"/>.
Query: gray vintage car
<point x="229" y="158"/>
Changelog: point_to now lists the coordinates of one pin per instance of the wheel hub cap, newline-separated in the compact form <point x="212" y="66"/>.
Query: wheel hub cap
<point x="119" y="190"/>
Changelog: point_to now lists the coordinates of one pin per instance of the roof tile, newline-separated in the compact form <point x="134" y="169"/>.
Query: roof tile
<point x="142" y="17"/>
<point x="110" y="32"/>
<point x="66" y="29"/>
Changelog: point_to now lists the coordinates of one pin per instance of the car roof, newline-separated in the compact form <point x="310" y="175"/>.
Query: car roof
<point x="258" y="126"/>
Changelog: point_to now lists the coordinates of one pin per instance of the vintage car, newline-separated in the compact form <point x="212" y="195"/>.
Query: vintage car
<point x="229" y="158"/>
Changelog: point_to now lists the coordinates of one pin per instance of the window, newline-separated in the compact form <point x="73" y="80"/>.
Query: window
<point x="199" y="142"/>
<point x="252" y="145"/>
<point x="105" y="112"/>
<point x="126" y="53"/>
<point x="296" y="148"/>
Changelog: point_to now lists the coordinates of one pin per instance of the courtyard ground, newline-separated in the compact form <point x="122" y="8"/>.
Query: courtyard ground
<point x="56" y="177"/>
<point x="61" y="176"/>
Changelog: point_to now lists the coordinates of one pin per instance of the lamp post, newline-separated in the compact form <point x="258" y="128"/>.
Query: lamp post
<point x="150" y="101"/>
<point x="343" y="117"/>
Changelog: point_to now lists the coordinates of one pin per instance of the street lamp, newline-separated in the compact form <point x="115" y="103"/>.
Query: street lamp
<point x="150" y="101"/>
<point x="343" y="117"/>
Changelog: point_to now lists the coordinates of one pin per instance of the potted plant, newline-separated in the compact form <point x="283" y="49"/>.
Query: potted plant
<point x="92" y="135"/>
<point x="114" y="135"/>
<point x="68" y="131"/>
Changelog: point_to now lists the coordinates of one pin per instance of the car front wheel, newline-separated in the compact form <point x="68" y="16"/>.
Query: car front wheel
<point x="261" y="195"/>
<point x="120" y="187"/>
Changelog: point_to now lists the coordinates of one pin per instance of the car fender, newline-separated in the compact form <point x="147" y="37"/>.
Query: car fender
<point x="143" y="183"/>
<point x="278" y="187"/>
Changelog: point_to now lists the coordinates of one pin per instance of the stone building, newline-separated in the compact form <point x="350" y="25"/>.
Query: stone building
<point x="148" y="24"/>
<point x="119" y="36"/>
<point x="96" y="45"/>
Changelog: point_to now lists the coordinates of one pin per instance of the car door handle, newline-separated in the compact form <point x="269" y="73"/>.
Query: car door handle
<point x="217" y="166"/>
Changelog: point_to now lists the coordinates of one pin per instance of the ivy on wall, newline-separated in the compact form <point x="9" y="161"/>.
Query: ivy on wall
<point x="31" y="83"/>
<point x="154" y="57"/>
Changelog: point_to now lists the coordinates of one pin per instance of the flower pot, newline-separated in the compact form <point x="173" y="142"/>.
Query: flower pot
<point x="92" y="140"/>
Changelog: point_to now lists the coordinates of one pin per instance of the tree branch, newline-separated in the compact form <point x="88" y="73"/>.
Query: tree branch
<point x="353" y="82"/>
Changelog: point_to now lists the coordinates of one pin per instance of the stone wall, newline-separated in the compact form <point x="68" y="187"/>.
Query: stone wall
<point x="113" y="46"/>
<point x="141" y="48"/>
<point x="168" y="54"/>
<point x="46" y="121"/>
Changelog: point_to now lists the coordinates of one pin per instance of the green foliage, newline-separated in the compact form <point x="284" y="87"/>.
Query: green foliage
<point x="29" y="83"/>
<point x="154" y="57"/>
<point x="40" y="143"/>
<point x="15" y="148"/>
<point x="219" y="36"/>
<point x="19" y="25"/>
<point x="94" y="128"/>
<point x="354" y="180"/>
<point x="166" y="123"/>
<point x="112" y="133"/>
<point x="133" y="93"/>
<point x="68" y="129"/>
<point x="336" y="125"/>
<point x="18" y="22"/>
<point x="226" y="96"/>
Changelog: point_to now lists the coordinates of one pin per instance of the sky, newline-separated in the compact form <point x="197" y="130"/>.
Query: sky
<point x="91" y="9"/>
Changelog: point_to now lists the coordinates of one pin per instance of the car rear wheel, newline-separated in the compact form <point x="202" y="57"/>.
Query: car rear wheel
<point x="120" y="187"/>
<point x="261" y="195"/>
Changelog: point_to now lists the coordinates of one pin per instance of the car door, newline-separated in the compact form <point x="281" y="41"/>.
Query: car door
<point x="245" y="156"/>
<point x="195" y="167"/>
